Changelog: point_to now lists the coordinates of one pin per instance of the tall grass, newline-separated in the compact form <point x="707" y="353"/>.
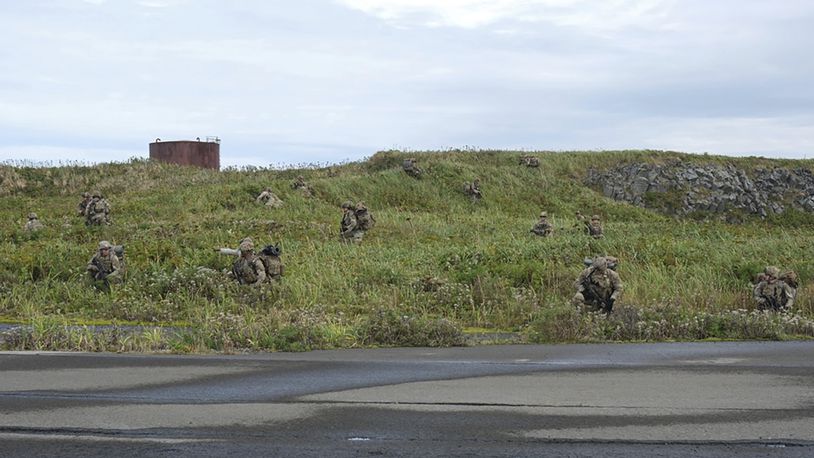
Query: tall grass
<point x="434" y="263"/>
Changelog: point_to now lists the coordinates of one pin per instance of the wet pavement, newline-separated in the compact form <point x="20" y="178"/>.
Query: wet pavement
<point x="699" y="399"/>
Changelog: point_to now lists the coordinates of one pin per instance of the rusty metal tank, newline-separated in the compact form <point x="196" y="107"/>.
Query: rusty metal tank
<point x="199" y="153"/>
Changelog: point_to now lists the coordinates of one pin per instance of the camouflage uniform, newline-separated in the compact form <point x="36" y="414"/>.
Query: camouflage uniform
<point x="269" y="199"/>
<point x="97" y="212"/>
<point x="104" y="267"/>
<point x="86" y="198"/>
<point x="774" y="291"/>
<point x="300" y="184"/>
<point x="270" y="257"/>
<point x="248" y="269"/>
<point x="598" y="287"/>
<point x="543" y="228"/>
<point x="530" y="161"/>
<point x="580" y="224"/>
<point x="595" y="227"/>
<point x="364" y="219"/>
<point x="411" y="168"/>
<point x="33" y="224"/>
<point x="349" y="230"/>
<point x="473" y="190"/>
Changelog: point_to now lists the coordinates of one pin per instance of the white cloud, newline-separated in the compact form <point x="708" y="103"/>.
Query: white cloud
<point x="332" y="78"/>
<point x="587" y="14"/>
<point x="148" y="4"/>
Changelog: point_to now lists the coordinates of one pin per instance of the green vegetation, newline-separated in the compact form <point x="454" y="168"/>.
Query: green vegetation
<point x="434" y="265"/>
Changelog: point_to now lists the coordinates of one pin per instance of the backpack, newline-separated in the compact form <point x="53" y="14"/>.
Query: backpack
<point x="270" y="257"/>
<point x="364" y="219"/>
<point x="790" y="277"/>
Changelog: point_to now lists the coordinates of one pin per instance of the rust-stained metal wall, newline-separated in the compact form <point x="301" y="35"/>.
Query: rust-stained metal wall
<point x="184" y="152"/>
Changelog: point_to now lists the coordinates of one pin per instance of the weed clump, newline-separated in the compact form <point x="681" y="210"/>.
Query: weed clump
<point x="389" y="327"/>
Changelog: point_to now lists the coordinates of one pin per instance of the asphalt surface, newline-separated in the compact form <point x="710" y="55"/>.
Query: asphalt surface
<point x="685" y="399"/>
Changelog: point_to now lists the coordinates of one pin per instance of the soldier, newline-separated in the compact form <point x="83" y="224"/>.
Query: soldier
<point x="530" y="161"/>
<point x="543" y="228"/>
<point x="473" y="190"/>
<point x="774" y="291"/>
<point x="86" y="198"/>
<point x="349" y="230"/>
<point x="300" y="183"/>
<point x="598" y="286"/>
<point x="269" y="199"/>
<point x="248" y="269"/>
<point x="270" y="257"/>
<point x="33" y="224"/>
<point x="411" y="168"/>
<point x="118" y="250"/>
<point x="580" y="224"/>
<point x="104" y="267"/>
<point x="364" y="219"/>
<point x="595" y="227"/>
<point x="97" y="211"/>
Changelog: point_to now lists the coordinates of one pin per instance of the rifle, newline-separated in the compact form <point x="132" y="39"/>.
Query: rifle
<point x="609" y="306"/>
<point x="101" y="274"/>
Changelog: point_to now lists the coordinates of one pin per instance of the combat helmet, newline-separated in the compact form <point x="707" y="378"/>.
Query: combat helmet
<point x="246" y="245"/>
<point x="600" y="262"/>
<point x="772" y="271"/>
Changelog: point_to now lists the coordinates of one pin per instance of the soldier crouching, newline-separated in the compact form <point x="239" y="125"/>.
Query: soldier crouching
<point x="248" y="269"/>
<point x="598" y="286"/>
<point x="775" y="291"/>
<point x="104" y="267"/>
<point x="349" y="230"/>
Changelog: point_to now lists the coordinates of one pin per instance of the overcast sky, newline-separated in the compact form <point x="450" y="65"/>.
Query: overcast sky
<point x="315" y="81"/>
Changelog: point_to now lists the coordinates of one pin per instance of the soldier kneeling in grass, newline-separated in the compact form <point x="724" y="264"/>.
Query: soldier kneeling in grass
<point x="104" y="267"/>
<point x="775" y="291"/>
<point x="33" y="224"/>
<point x="473" y="190"/>
<point x="248" y="269"/>
<point x="594" y="227"/>
<point x="97" y="212"/>
<point x="269" y="199"/>
<point x="543" y="228"/>
<point x="410" y="167"/>
<point x="530" y="161"/>
<point x="269" y="256"/>
<point x="349" y="230"/>
<point x="302" y="186"/>
<point x="598" y="286"/>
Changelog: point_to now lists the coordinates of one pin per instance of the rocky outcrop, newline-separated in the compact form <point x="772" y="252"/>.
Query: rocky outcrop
<point x="682" y="188"/>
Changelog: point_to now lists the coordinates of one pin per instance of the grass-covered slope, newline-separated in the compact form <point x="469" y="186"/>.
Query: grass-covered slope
<point x="434" y="264"/>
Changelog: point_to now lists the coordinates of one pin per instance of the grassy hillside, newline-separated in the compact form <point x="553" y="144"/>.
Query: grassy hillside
<point x="433" y="265"/>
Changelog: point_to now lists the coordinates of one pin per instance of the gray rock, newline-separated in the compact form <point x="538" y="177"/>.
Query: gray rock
<point x="713" y="187"/>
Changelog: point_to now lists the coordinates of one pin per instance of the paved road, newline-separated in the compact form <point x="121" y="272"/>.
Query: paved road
<point x="702" y="399"/>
